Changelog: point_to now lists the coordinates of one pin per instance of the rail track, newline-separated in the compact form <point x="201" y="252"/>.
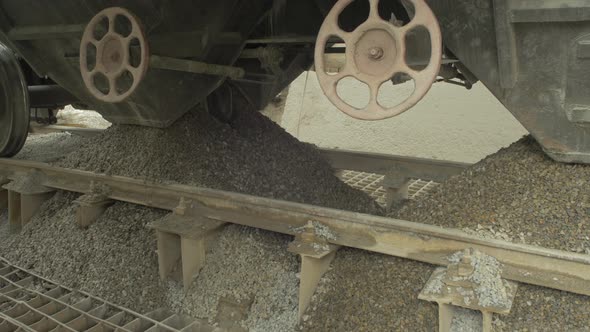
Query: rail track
<point x="318" y="232"/>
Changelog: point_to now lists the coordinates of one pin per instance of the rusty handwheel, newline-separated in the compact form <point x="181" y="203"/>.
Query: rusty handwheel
<point x="106" y="59"/>
<point x="375" y="52"/>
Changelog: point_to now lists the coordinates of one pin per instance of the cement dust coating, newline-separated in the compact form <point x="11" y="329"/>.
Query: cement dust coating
<point x="450" y="123"/>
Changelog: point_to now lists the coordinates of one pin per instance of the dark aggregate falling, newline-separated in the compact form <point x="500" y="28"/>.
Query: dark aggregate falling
<point x="253" y="155"/>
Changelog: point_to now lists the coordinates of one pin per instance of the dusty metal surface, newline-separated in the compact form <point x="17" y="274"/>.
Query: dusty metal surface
<point x="29" y="302"/>
<point x="531" y="56"/>
<point x="431" y="244"/>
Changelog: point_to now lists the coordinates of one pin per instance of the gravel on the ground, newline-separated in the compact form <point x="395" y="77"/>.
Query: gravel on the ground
<point x="371" y="292"/>
<point x="49" y="147"/>
<point x="518" y="194"/>
<point x="115" y="258"/>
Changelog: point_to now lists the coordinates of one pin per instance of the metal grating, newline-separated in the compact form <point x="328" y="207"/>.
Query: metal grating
<point x="420" y="187"/>
<point x="370" y="183"/>
<point x="31" y="303"/>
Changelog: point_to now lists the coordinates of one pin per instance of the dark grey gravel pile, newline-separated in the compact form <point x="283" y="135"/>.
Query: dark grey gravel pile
<point x="371" y="292"/>
<point x="518" y="191"/>
<point x="541" y="309"/>
<point x="253" y="155"/>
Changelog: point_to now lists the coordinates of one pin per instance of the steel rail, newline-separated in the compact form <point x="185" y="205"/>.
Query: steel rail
<point x="401" y="166"/>
<point x="426" y="243"/>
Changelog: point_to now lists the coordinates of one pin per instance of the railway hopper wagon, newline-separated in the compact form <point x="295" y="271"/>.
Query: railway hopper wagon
<point x="147" y="62"/>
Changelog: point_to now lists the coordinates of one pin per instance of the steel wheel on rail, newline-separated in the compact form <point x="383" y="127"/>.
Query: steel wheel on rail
<point x="14" y="104"/>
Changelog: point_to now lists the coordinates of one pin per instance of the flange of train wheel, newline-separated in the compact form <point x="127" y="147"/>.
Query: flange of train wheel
<point x="14" y="104"/>
<point x="109" y="68"/>
<point x="375" y="53"/>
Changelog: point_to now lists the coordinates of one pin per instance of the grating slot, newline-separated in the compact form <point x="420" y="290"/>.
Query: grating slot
<point x="66" y="315"/>
<point x="7" y="270"/>
<point x="44" y="325"/>
<point x="55" y="292"/>
<point x="82" y="323"/>
<point x="7" y="289"/>
<point x="159" y="314"/>
<point x="198" y="326"/>
<point x="29" y="318"/>
<point x="138" y="325"/>
<point x="5" y="326"/>
<point x="119" y="318"/>
<point x="158" y="328"/>
<point x="51" y="308"/>
<point x="83" y="304"/>
<point x="99" y="311"/>
<point x="16" y="311"/>
<point x="25" y="281"/>
<point x="37" y="302"/>
<point x="5" y="305"/>
<point x="100" y="328"/>
<point x="177" y="322"/>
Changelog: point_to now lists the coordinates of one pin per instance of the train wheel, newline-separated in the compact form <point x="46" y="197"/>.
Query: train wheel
<point x="14" y="104"/>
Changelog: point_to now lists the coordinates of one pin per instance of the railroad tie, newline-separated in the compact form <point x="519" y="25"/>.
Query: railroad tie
<point x="472" y="281"/>
<point x="316" y="256"/>
<point x="181" y="241"/>
<point x="92" y="205"/>
<point x="25" y="195"/>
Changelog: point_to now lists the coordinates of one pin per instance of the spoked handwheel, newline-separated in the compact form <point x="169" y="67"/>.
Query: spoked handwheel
<point x="109" y="57"/>
<point x="14" y="104"/>
<point x="375" y="53"/>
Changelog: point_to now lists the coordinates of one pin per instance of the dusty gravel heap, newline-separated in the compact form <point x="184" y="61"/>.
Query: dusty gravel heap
<point x="115" y="258"/>
<point x="517" y="194"/>
<point x="49" y="147"/>
<point x="253" y="155"/>
<point x="371" y="292"/>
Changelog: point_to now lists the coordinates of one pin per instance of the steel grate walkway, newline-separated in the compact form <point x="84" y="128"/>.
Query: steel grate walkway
<point x="31" y="303"/>
<point x="370" y="183"/>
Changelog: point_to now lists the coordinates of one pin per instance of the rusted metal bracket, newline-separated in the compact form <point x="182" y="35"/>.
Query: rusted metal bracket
<point x="472" y="281"/>
<point x="316" y="255"/>
<point x="92" y="205"/>
<point x="181" y="243"/>
<point x="25" y="194"/>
